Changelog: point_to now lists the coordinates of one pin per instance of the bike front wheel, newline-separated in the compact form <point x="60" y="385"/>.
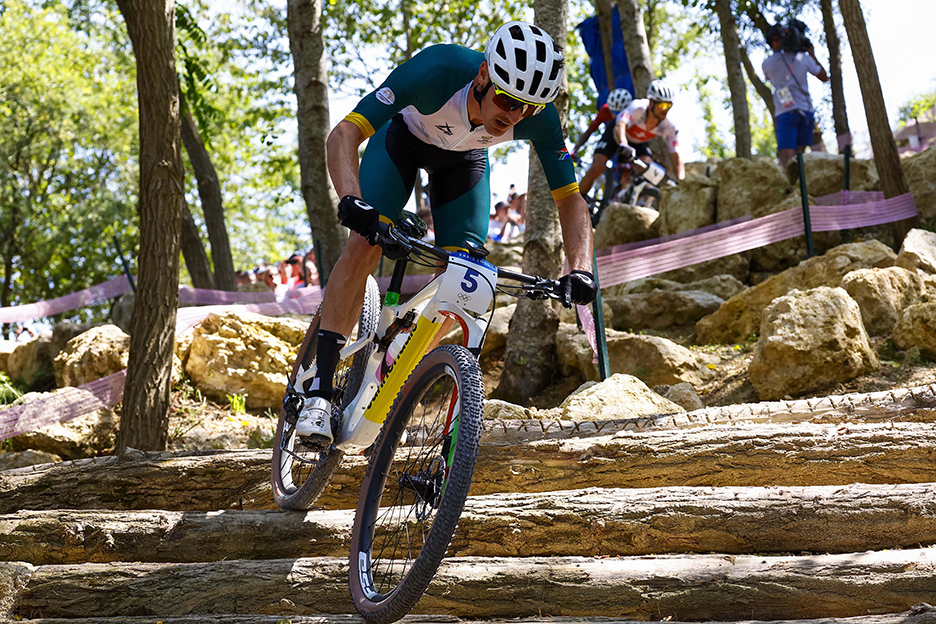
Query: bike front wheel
<point x="416" y="484"/>
<point x="301" y="474"/>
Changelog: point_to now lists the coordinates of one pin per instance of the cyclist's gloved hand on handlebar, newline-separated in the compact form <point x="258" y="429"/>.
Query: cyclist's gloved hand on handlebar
<point x="578" y="287"/>
<point x="356" y="215"/>
<point x="627" y="153"/>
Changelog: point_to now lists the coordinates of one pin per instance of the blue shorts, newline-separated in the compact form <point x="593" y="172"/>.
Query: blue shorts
<point x="795" y="129"/>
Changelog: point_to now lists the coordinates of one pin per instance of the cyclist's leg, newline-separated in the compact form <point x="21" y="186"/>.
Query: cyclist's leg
<point x="387" y="176"/>
<point x="604" y="151"/>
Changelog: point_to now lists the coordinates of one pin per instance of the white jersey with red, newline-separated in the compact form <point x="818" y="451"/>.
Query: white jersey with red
<point x="636" y="117"/>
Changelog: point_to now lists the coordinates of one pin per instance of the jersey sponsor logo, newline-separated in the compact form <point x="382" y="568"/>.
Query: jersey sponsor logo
<point x="484" y="140"/>
<point x="446" y="129"/>
<point x="563" y="154"/>
<point x="386" y="96"/>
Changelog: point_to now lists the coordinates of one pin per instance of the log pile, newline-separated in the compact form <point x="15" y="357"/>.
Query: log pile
<point x="733" y="520"/>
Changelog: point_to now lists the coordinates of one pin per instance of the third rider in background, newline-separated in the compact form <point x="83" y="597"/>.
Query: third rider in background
<point x="645" y="119"/>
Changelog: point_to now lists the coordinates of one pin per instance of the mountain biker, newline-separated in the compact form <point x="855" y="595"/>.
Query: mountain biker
<point x="645" y="119"/>
<point x="440" y="111"/>
<point x="604" y="150"/>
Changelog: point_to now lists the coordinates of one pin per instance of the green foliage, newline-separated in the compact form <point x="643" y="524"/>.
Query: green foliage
<point x="67" y="153"/>
<point x="8" y="391"/>
<point x="916" y="107"/>
<point x="238" y="402"/>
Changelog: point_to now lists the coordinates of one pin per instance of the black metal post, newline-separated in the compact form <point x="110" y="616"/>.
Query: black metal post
<point x="126" y="266"/>
<point x="806" y="222"/>
<point x="847" y="182"/>
<point x="601" y="341"/>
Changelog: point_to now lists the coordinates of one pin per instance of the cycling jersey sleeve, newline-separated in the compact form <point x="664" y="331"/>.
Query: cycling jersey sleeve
<point x="426" y="81"/>
<point x="604" y="114"/>
<point x="545" y="133"/>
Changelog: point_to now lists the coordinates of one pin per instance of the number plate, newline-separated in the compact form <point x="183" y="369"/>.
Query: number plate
<point x="468" y="282"/>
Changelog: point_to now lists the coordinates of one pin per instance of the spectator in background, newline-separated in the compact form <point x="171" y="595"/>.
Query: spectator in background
<point x="794" y="116"/>
<point x="310" y="274"/>
<point x="291" y="272"/>
<point x="503" y="225"/>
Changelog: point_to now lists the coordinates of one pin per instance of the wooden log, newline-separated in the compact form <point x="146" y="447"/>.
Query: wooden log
<point x="918" y="614"/>
<point x="660" y="587"/>
<point x="610" y="522"/>
<point x="800" y="454"/>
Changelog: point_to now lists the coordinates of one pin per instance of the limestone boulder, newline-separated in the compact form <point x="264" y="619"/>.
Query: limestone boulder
<point x="918" y="252"/>
<point x="88" y="435"/>
<point x="735" y="265"/>
<point x="22" y="459"/>
<point x="661" y="309"/>
<point x="65" y="331"/>
<point x="652" y="359"/>
<point x="617" y="397"/>
<point x="722" y="286"/>
<point x="917" y="328"/>
<point x="682" y="394"/>
<point x="623" y="223"/>
<point x="782" y="255"/>
<point x="918" y="170"/>
<point x="746" y="186"/>
<point x="121" y="310"/>
<point x="689" y="205"/>
<point x="809" y="339"/>
<point x="505" y="255"/>
<point x="6" y="348"/>
<point x="882" y="294"/>
<point x="740" y="317"/>
<point x="31" y="361"/>
<point x="91" y="355"/>
<point x="495" y="409"/>
<point x="705" y="168"/>
<point x="244" y="353"/>
<point x="825" y="173"/>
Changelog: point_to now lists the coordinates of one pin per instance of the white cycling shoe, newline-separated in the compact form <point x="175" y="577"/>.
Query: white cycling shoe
<point x="314" y="424"/>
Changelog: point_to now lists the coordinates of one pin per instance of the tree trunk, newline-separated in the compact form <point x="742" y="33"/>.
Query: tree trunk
<point x="145" y="418"/>
<point x="736" y="85"/>
<point x="311" y="86"/>
<point x="530" y="359"/>
<point x="606" y="30"/>
<point x="839" y="113"/>
<point x="886" y="158"/>
<point x="209" y="191"/>
<point x="193" y="251"/>
<point x="763" y="90"/>
<point x="636" y="46"/>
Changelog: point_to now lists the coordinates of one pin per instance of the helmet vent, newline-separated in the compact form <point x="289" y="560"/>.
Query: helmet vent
<point x="521" y="60"/>
<point x="501" y="52"/>
<point x="536" y="31"/>
<point x="557" y="66"/>
<point x="540" y="51"/>
<point x="517" y="33"/>
<point x="537" y="79"/>
<point x="502" y="74"/>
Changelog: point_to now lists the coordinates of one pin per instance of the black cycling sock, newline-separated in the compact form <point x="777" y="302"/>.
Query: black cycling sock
<point x="328" y="351"/>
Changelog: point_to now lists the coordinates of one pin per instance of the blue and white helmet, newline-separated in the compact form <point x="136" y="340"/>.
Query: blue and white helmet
<point x="619" y="99"/>
<point x="524" y="61"/>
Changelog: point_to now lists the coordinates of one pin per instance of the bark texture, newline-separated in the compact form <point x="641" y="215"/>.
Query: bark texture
<point x="636" y="46"/>
<point x="209" y="192"/>
<point x="605" y="12"/>
<point x="663" y="587"/>
<point x="834" y="44"/>
<point x="304" y="18"/>
<point x="731" y="45"/>
<point x="530" y="357"/>
<point x="193" y="251"/>
<point x="145" y="418"/>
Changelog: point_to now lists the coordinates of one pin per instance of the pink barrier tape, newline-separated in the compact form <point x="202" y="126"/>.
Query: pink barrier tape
<point x="203" y="296"/>
<point x="850" y="198"/>
<point x="655" y="241"/>
<point x="843" y="140"/>
<point x="831" y="218"/>
<point x="588" y="326"/>
<point x="189" y="317"/>
<point x="64" y="405"/>
<point x="95" y="294"/>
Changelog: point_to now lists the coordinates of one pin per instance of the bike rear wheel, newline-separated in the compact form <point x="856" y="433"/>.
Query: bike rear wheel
<point x="300" y="474"/>
<point x="416" y="484"/>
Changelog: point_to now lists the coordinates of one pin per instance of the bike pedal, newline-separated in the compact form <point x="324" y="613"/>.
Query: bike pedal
<point x="292" y="404"/>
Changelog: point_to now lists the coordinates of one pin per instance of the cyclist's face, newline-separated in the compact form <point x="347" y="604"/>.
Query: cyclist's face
<point x="496" y="120"/>
<point x="660" y="109"/>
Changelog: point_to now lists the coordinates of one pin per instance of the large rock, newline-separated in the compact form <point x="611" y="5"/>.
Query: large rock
<point x="615" y="398"/>
<point x="809" y="340"/>
<point x="507" y="255"/>
<point x="918" y="170"/>
<point x="918" y="252"/>
<point x="244" y="353"/>
<point x="654" y="360"/>
<point x="882" y="294"/>
<point x="22" y="459"/>
<point x="31" y="361"/>
<point x="722" y="286"/>
<point x="746" y="186"/>
<point x="661" y="309"/>
<point x="622" y="223"/>
<point x="65" y="331"/>
<point x="784" y="254"/>
<point x="917" y="328"/>
<point x="6" y="348"/>
<point x="122" y="310"/>
<point x="91" y="355"/>
<point x="740" y="317"/>
<point x="825" y="173"/>
<point x="88" y="435"/>
<point x="736" y="265"/>
<point x="689" y="205"/>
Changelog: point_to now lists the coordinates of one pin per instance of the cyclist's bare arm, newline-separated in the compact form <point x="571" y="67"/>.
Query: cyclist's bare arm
<point x="576" y="231"/>
<point x="342" y="156"/>
<point x="620" y="131"/>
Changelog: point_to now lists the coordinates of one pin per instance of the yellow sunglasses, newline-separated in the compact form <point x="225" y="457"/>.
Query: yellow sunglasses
<point x="508" y="103"/>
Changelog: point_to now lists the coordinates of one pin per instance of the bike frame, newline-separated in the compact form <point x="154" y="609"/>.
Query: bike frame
<point x="464" y="292"/>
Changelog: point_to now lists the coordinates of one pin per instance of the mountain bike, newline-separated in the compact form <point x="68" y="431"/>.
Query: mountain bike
<point x="417" y="415"/>
<point x="641" y="189"/>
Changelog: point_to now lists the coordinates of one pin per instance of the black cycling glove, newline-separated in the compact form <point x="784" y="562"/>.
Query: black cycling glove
<point x="358" y="216"/>
<point x="627" y="153"/>
<point x="578" y="287"/>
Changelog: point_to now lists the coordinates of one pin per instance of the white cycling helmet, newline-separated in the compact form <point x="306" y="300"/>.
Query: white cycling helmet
<point x="619" y="100"/>
<point x="659" y="92"/>
<point x="524" y="61"/>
